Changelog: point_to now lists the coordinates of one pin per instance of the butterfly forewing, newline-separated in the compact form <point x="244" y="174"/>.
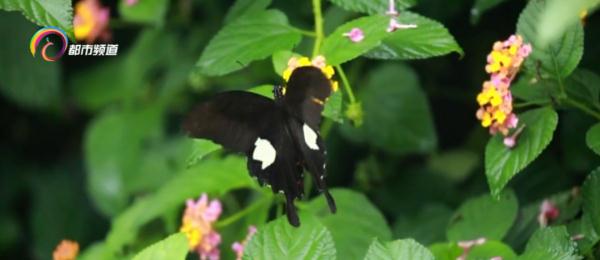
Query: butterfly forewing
<point x="233" y="119"/>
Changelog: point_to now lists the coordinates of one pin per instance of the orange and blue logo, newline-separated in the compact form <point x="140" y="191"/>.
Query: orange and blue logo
<point x="44" y="33"/>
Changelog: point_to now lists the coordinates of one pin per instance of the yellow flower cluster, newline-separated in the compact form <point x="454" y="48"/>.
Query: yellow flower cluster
<point x="319" y="62"/>
<point x="495" y="98"/>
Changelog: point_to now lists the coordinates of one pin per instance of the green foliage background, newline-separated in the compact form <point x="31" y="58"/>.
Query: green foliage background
<point x="92" y="148"/>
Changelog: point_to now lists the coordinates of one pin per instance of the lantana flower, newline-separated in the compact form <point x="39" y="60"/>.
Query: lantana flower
<point x="197" y="224"/>
<point x="394" y="24"/>
<point x="238" y="247"/>
<point x="319" y="62"/>
<point x="355" y="35"/>
<point x="548" y="212"/>
<point x="495" y="99"/>
<point x="66" y="250"/>
<point x="91" y="21"/>
<point x="131" y="2"/>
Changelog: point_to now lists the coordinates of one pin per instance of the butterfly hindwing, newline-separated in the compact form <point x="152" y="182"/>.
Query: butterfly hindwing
<point x="314" y="156"/>
<point x="306" y="92"/>
<point x="283" y="171"/>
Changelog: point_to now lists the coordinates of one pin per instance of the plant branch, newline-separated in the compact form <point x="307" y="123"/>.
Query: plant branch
<point x="346" y="84"/>
<point x="318" y="26"/>
<point x="240" y="214"/>
<point x="583" y="108"/>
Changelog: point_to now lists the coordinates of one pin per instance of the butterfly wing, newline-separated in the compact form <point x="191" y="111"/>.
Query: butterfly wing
<point x="255" y="126"/>
<point x="306" y="93"/>
<point x="284" y="174"/>
<point x="314" y="156"/>
<point x="232" y="119"/>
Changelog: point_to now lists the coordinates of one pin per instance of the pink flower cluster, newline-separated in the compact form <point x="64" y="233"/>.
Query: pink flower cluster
<point x="495" y="99"/>
<point x="548" y="212"/>
<point x="197" y="224"/>
<point x="355" y="35"/>
<point x="238" y="247"/>
<point x="394" y="24"/>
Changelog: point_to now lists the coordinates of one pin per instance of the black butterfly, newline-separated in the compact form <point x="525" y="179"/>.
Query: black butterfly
<point x="279" y="137"/>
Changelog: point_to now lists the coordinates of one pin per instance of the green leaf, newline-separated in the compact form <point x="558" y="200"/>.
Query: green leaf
<point x="502" y="163"/>
<point x="280" y="240"/>
<point x="145" y="11"/>
<point x="338" y="48"/>
<point x="591" y="198"/>
<point x="173" y="247"/>
<point x="127" y="74"/>
<point x="560" y="57"/>
<point x="372" y="6"/>
<point x="58" y="210"/>
<point x="481" y="6"/>
<point x="57" y="13"/>
<point x="560" y="15"/>
<point x="353" y="210"/>
<point x="397" y="115"/>
<point x="405" y="249"/>
<point x="446" y="251"/>
<point x="583" y="86"/>
<point x="534" y="91"/>
<point x="213" y="176"/>
<point x="95" y="251"/>
<point x="429" y="39"/>
<point x="263" y="90"/>
<point x="245" y="7"/>
<point x="28" y="81"/>
<point x="113" y="146"/>
<point x="588" y="236"/>
<point x="201" y="148"/>
<point x="159" y="162"/>
<point x="491" y="249"/>
<point x="485" y="217"/>
<point x="426" y="227"/>
<point x="245" y="40"/>
<point x="549" y="244"/>
<point x="592" y="138"/>
<point x="333" y="107"/>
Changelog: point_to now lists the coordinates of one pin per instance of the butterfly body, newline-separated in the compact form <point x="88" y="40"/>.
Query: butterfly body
<point x="279" y="137"/>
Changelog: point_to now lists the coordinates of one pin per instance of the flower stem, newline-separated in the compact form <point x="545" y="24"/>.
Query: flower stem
<point x="305" y="32"/>
<point x="346" y="84"/>
<point x="318" y="26"/>
<point x="240" y="214"/>
<point x="583" y="108"/>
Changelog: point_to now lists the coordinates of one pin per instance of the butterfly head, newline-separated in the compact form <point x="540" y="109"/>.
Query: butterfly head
<point x="279" y="91"/>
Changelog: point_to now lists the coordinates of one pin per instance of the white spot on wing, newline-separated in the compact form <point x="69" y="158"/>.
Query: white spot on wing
<point x="264" y="152"/>
<point x="310" y="137"/>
